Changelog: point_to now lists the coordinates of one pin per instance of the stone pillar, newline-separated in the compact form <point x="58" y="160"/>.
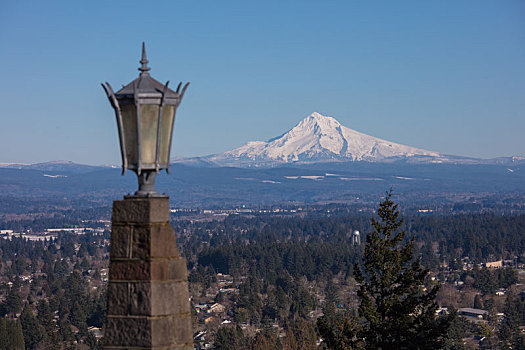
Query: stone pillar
<point x="148" y="298"/>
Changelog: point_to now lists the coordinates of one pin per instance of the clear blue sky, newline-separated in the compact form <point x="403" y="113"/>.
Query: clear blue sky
<point x="447" y="76"/>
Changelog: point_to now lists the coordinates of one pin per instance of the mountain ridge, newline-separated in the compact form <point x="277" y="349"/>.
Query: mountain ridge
<point x="322" y="139"/>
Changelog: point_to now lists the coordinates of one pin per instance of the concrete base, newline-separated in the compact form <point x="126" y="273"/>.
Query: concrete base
<point x="148" y="298"/>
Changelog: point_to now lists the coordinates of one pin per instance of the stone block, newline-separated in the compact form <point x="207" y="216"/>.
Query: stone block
<point x="154" y="241"/>
<point x="177" y="269"/>
<point x="118" y="298"/>
<point x="169" y="298"/>
<point x="163" y="242"/>
<point x="162" y="329"/>
<point x="159" y="270"/>
<point x="141" y="246"/>
<point x="120" y="241"/>
<point x="141" y="210"/>
<point x="140" y="298"/>
<point x="129" y="270"/>
<point x="149" y="332"/>
<point x="128" y="332"/>
<point x="182" y="332"/>
<point x="148" y="298"/>
<point x="140" y="270"/>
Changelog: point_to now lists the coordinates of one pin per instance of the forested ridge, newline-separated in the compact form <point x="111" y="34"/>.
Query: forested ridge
<point x="481" y="237"/>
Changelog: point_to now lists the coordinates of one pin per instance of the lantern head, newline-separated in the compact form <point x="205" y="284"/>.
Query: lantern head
<point x="145" y="112"/>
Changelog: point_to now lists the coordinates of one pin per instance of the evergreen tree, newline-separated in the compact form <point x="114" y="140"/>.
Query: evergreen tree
<point x="478" y="303"/>
<point x="229" y="338"/>
<point x="395" y="311"/>
<point x="97" y="313"/>
<point x="45" y="317"/>
<point x="508" y="331"/>
<point x="456" y="333"/>
<point x="11" y="337"/>
<point x="93" y="343"/>
<point x="3" y="333"/>
<point x="17" y="336"/>
<point x="265" y="340"/>
<point x="300" y="335"/>
<point x="339" y="332"/>
<point x="13" y="302"/>
<point x="34" y="333"/>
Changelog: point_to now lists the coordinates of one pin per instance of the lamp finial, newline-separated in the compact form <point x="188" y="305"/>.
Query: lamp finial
<point x="144" y="61"/>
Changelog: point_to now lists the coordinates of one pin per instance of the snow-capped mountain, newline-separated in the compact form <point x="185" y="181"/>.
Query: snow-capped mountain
<point x="319" y="138"/>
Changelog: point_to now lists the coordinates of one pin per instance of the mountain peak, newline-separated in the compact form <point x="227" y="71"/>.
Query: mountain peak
<point x="319" y="119"/>
<point x="326" y="130"/>
<point x="318" y="138"/>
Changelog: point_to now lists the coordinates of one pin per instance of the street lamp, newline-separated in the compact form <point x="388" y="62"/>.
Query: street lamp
<point x="145" y="113"/>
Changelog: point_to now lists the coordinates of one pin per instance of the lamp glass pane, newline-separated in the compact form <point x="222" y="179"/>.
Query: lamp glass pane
<point x="168" y="115"/>
<point x="129" y="126"/>
<point x="149" y="121"/>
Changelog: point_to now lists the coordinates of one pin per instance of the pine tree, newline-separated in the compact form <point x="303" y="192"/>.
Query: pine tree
<point x="478" y="302"/>
<point x="395" y="311"/>
<point x="11" y="336"/>
<point x="34" y="333"/>
<point x="508" y="331"/>
<point x="456" y="333"/>
<point x="45" y="317"/>
<point x="17" y="336"/>
<point x="339" y="332"/>
<point x="300" y="335"/>
<point x="229" y="338"/>
<point x="265" y="340"/>
<point x="3" y="333"/>
<point x="13" y="302"/>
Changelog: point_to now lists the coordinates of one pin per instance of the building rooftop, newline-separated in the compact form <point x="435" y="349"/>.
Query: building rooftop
<point x="473" y="311"/>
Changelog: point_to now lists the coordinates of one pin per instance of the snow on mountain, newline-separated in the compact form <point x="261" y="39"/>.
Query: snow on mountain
<point x="318" y="138"/>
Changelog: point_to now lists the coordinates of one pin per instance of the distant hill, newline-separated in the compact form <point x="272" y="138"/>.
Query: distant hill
<point x="191" y="186"/>
<point x="61" y="166"/>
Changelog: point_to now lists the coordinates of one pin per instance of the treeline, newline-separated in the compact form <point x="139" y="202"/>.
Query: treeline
<point x="481" y="237"/>
<point x="295" y="242"/>
<point x="49" y="300"/>
<point x="313" y="260"/>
